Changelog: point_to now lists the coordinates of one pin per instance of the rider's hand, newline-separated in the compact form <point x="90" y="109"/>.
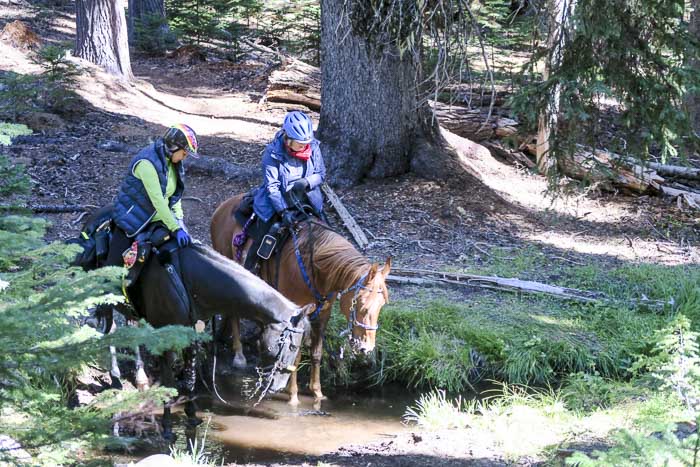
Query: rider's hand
<point x="288" y="217"/>
<point x="301" y="185"/>
<point x="183" y="238"/>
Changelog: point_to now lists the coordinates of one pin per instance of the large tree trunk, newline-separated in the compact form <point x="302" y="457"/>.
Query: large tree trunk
<point x="101" y="36"/>
<point x="372" y="124"/>
<point x="144" y="14"/>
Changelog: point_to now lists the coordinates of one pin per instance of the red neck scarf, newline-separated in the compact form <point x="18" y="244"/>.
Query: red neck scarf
<point x="303" y="155"/>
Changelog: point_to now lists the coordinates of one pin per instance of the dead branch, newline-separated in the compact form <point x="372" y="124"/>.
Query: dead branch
<point x="510" y="156"/>
<point x="350" y="224"/>
<point x="218" y="166"/>
<point x="426" y="277"/>
<point x="51" y="209"/>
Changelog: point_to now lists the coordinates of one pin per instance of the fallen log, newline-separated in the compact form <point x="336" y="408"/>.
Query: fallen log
<point x="692" y="199"/>
<point x="348" y="220"/>
<point x="473" y="124"/>
<point x="51" y="208"/>
<point x="610" y="171"/>
<point x="691" y="173"/>
<point x="299" y="83"/>
<point x="426" y="277"/>
<point x="296" y="83"/>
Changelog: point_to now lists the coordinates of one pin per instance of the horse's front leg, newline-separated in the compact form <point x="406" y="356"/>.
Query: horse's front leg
<point x="141" y="378"/>
<point x="239" y="360"/>
<point x="317" y="332"/>
<point x="188" y="384"/>
<point x="167" y="379"/>
<point x="292" y="388"/>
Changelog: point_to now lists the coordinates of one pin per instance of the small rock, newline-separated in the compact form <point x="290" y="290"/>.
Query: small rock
<point x="14" y="449"/>
<point x="83" y="397"/>
<point x="113" y="146"/>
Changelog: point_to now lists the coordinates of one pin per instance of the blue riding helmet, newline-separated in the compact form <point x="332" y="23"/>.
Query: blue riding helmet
<point x="299" y="127"/>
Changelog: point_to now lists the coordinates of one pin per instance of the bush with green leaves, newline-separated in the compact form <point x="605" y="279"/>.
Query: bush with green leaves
<point x="45" y="343"/>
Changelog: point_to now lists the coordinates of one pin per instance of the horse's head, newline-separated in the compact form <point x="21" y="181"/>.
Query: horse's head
<point x="361" y="306"/>
<point x="279" y="345"/>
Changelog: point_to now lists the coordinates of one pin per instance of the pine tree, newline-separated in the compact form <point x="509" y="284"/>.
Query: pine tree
<point x="45" y="343"/>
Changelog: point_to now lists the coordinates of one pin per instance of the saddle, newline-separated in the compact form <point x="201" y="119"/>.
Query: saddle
<point x="94" y="240"/>
<point x="268" y="237"/>
<point x="156" y="243"/>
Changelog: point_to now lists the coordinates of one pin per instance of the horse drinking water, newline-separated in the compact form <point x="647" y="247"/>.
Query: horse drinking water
<point x="213" y="284"/>
<point x="332" y="266"/>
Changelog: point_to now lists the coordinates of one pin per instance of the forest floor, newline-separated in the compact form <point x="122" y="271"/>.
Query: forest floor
<point x="81" y="158"/>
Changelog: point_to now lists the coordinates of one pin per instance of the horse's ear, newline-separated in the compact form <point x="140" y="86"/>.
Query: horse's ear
<point x="387" y="267"/>
<point x="372" y="272"/>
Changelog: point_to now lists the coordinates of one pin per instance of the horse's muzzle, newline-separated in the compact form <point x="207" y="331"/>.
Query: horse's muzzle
<point x="361" y="346"/>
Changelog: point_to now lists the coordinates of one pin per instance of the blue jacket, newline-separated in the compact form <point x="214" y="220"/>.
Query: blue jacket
<point x="280" y="171"/>
<point x="132" y="209"/>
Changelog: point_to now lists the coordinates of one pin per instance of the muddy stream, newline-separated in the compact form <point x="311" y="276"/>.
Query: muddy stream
<point x="342" y="419"/>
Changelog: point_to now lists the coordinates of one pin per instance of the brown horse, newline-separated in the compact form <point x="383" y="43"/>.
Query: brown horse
<point x="332" y="265"/>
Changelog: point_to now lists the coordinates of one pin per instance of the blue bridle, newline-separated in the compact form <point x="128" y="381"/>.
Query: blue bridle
<point x="322" y="299"/>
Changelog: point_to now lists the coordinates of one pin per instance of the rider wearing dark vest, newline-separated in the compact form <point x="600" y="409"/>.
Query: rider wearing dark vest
<point x="152" y="191"/>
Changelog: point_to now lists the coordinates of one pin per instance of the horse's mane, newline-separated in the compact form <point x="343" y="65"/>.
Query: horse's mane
<point x="333" y="255"/>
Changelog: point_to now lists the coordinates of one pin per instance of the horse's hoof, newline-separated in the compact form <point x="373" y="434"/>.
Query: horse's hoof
<point x="142" y="387"/>
<point x="239" y="363"/>
<point x="293" y="400"/>
<point x="141" y="380"/>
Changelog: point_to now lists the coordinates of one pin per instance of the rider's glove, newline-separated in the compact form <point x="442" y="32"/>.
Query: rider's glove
<point x="183" y="238"/>
<point x="301" y="186"/>
<point x="288" y="217"/>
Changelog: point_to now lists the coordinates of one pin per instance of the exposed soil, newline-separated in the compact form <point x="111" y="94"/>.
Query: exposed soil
<point x="420" y="224"/>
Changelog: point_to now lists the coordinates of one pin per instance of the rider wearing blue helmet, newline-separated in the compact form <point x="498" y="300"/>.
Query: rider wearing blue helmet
<point x="292" y="162"/>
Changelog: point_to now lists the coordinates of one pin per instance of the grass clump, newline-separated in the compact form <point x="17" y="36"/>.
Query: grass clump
<point x="525" y="341"/>
<point x="196" y="453"/>
<point x="434" y="411"/>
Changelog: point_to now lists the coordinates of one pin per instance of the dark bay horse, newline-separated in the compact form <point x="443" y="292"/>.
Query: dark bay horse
<point x="333" y="266"/>
<point x="217" y="285"/>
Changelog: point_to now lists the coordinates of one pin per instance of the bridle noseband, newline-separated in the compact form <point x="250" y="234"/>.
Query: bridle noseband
<point x="352" y="318"/>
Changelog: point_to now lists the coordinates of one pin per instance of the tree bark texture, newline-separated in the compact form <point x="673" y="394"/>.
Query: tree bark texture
<point x="371" y="122"/>
<point x="140" y="11"/>
<point x="101" y="35"/>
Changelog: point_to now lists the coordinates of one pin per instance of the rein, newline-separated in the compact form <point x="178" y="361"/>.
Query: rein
<point x="320" y="299"/>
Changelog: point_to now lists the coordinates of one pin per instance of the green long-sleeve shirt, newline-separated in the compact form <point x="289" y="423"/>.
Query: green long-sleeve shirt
<point x="145" y="172"/>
